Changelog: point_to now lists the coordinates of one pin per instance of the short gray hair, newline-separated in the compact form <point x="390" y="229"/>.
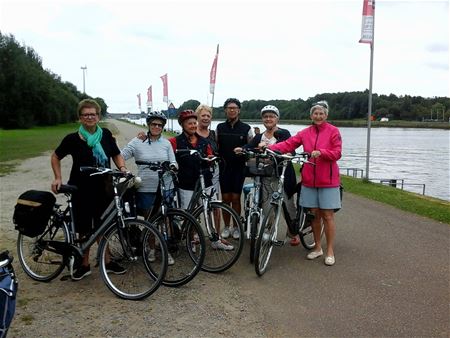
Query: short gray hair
<point x="319" y="105"/>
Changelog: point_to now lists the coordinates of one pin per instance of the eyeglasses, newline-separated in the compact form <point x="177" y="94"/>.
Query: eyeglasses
<point x="156" y="125"/>
<point x="232" y="108"/>
<point x="88" y="116"/>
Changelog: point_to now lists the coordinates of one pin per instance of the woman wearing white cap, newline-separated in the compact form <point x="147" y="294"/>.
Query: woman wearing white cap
<point x="321" y="181"/>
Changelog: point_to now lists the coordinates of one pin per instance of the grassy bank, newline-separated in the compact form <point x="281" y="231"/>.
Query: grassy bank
<point x="433" y="208"/>
<point x="19" y="144"/>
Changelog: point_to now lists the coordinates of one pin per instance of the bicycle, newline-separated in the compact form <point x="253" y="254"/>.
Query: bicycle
<point x="209" y="212"/>
<point x="267" y="236"/>
<point x="44" y="256"/>
<point x="256" y="168"/>
<point x="177" y="227"/>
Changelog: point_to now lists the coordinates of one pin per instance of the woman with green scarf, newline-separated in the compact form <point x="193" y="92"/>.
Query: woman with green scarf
<point x="91" y="145"/>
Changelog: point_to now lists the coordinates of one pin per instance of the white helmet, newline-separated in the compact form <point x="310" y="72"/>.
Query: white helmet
<point x="272" y="109"/>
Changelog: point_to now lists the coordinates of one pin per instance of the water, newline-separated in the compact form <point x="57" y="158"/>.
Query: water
<point x="419" y="156"/>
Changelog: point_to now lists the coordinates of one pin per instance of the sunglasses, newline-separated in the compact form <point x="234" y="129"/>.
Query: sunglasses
<point x="156" y="125"/>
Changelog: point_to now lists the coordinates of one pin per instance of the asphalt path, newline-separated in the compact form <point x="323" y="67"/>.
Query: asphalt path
<point x="391" y="277"/>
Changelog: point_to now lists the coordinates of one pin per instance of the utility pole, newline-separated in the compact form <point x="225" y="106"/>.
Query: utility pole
<point x="84" y="78"/>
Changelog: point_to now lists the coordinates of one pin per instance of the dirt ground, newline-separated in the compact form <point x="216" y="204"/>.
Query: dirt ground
<point x="87" y="308"/>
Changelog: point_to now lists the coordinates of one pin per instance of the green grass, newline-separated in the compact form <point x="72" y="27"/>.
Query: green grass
<point x="19" y="144"/>
<point x="426" y="206"/>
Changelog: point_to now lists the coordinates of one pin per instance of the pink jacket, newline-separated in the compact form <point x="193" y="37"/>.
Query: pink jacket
<point x="326" y="138"/>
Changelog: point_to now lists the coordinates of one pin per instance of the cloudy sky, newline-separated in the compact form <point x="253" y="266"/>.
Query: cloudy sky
<point x="269" y="49"/>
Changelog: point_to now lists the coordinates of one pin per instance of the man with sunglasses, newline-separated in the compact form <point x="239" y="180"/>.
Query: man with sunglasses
<point x="231" y="134"/>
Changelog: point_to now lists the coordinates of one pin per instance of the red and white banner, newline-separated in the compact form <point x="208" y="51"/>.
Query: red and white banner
<point x="367" y="21"/>
<point x="139" y="101"/>
<point x="149" y="97"/>
<point x="165" y="88"/>
<point x="212" y="74"/>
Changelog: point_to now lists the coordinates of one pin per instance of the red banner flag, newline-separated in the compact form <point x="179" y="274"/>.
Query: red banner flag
<point x="212" y="74"/>
<point x="139" y="100"/>
<point x="367" y="26"/>
<point x="165" y="88"/>
<point x="149" y="97"/>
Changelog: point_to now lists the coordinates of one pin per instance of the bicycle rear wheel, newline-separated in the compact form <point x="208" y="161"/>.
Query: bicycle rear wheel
<point x="219" y="257"/>
<point x="185" y="244"/>
<point x="37" y="258"/>
<point x="129" y="247"/>
<point x="305" y="230"/>
<point x="266" y="237"/>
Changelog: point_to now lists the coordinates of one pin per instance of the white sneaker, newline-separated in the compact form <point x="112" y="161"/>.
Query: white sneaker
<point x="314" y="254"/>
<point x="226" y="232"/>
<point x="236" y="233"/>
<point x="329" y="260"/>
<point x="170" y="260"/>
<point x="219" y="245"/>
<point x="151" y="256"/>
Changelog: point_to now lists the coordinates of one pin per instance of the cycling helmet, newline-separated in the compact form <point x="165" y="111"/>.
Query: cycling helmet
<point x="153" y="115"/>
<point x="186" y="114"/>
<point x="321" y="104"/>
<point x="272" y="109"/>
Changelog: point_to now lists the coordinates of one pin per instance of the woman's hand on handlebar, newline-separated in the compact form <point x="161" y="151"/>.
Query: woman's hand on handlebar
<point x="56" y="184"/>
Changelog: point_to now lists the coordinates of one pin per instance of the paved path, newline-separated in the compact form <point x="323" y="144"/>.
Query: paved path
<point x="391" y="278"/>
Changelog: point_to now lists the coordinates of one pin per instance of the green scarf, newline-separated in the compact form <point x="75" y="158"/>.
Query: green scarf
<point x="93" y="141"/>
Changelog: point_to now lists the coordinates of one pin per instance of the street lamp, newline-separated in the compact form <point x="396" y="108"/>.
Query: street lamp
<point x="84" y="83"/>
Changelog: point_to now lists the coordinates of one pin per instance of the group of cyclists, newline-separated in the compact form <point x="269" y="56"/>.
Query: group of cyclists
<point x="91" y="146"/>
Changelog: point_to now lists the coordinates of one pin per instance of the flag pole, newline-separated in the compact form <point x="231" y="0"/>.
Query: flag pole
<point x="368" y="36"/>
<point x="369" y="110"/>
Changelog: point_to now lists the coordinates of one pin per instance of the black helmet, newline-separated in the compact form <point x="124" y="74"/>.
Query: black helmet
<point x="153" y="115"/>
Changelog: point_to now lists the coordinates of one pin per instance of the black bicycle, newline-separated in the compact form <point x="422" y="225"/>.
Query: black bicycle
<point x="44" y="254"/>
<point x="211" y="213"/>
<point x="180" y="230"/>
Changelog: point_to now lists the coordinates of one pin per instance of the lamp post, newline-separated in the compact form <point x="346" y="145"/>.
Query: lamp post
<point x="84" y="81"/>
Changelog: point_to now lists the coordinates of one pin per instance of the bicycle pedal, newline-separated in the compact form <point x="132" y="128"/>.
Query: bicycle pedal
<point x="278" y="243"/>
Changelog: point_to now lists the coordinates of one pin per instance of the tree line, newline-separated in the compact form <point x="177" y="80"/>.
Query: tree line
<point x="347" y="106"/>
<point x="31" y="95"/>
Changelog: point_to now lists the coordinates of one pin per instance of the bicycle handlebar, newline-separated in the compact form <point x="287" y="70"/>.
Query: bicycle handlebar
<point x="157" y="165"/>
<point x="197" y="153"/>
<point x="102" y="170"/>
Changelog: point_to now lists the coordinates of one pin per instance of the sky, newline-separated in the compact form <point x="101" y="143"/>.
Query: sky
<point x="269" y="49"/>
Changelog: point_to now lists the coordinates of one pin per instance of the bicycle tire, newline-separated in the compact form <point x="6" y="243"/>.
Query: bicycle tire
<point x="254" y="221"/>
<point x="129" y="247"/>
<point x="38" y="262"/>
<point x="267" y="235"/>
<point x="305" y="231"/>
<point x="186" y="246"/>
<point x="219" y="260"/>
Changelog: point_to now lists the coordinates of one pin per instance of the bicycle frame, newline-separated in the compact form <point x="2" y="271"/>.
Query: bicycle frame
<point x="111" y="216"/>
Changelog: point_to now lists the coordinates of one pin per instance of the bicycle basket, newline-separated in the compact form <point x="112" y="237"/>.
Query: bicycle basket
<point x="259" y="167"/>
<point x="32" y="212"/>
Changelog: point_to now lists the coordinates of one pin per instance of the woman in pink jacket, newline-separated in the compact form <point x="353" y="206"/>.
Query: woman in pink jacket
<point x="321" y="181"/>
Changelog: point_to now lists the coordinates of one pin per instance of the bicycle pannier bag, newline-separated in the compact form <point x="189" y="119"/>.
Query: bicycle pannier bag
<point x="32" y="212"/>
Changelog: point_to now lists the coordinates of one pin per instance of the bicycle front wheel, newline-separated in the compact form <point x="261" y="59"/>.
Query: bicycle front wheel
<point x="306" y="232"/>
<point x="220" y="255"/>
<point x="254" y="221"/>
<point x="127" y="266"/>
<point x="266" y="237"/>
<point x="36" y="256"/>
<point x="185" y="244"/>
